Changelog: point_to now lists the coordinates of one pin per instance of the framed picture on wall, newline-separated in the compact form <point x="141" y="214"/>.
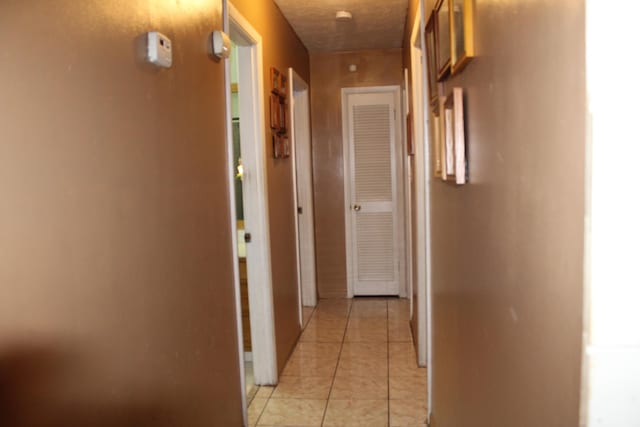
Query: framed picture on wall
<point x="410" y="147"/>
<point x="283" y="85"/>
<point x="284" y="144"/>
<point x="462" y="34"/>
<point x="443" y="39"/>
<point x="277" y="148"/>
<point x="454" y="105"/>
<point x="432" y="68"/>
<point x="283" y="116"/>
<point x="275" y="107"/>
<point x="275" y="81"/>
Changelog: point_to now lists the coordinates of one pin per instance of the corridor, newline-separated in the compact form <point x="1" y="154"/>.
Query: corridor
<point x="355" y="365"/>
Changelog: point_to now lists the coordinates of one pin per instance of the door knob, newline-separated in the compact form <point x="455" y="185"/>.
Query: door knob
<point x="357" y="208"/>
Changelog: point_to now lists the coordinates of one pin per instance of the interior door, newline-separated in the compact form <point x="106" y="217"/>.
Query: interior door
<point x="374" y="192"/>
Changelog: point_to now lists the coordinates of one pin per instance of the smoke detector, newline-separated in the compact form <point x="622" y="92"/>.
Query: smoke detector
<point x="343" y="15"/>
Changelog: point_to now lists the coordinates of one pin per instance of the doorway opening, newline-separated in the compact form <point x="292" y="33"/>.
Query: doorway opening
<point x="421" y="316"/>
<point x="247" y="193"/>
<point x="303" y="182"/>
<point x="374" y="190"/>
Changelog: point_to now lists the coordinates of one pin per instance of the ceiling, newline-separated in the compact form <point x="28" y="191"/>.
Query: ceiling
<point x="376" y="24"/>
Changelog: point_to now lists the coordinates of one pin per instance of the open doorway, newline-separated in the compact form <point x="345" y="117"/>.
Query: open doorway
<point x="421" y="318"/>
<point x="248" y="196"/>
<point x="303" y="181"/>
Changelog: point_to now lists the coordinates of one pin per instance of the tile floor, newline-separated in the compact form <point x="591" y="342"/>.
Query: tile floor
<point x="355" y="365"/>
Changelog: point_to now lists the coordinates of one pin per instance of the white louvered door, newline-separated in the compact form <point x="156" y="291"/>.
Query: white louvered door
<point x="374" y="193"/>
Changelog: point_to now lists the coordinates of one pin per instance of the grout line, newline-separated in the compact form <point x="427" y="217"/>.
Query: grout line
<point x="388" y="370"/>
<point x="335" y="372"/>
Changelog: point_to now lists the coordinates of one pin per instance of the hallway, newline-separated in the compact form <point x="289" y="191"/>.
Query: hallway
<point x="355" y="365"/>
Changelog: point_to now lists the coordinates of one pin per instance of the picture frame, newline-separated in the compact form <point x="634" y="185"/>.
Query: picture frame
<point x="285" y="148"/>
<point x="454" y="105"/>
<point x="432" y="68"/>
<point x="443" y="38"/>
<point x="275" y="81"/>
<point x="275" y="111"/>
<point x="436" y="145"/>
<point x="282" y="85"/>
<point x="277" y="148"/>
<point x="283" y="116"/>
<point x="410" y="146"/>
<point x="462" y="18"/>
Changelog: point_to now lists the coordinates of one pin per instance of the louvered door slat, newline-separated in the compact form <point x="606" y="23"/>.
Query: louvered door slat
<point x="372" y="139"/>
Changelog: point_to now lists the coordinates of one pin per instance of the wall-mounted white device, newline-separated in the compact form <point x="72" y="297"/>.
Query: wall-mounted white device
<point x="221" y="44"/>
<point x="159" y="51"/>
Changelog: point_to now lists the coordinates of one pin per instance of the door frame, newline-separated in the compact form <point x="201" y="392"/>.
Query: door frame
<point x="251" y="102"/>
<point x="300" y="136"/>
<point x="423" y="204"/>
<point x="400" y="172"/>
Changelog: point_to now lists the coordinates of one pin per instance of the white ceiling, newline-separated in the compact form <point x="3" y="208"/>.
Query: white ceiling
<point x="376" y="24"/>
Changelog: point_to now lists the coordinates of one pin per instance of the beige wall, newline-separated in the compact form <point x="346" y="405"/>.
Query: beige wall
<point x="508" y="247"/>
<point x="116" y="291"/>
<point x="281" y="49"/>
<point x="329" y="74"/>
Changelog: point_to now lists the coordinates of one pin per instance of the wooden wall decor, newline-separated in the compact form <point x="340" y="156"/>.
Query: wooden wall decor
<point x="278" y="117"/>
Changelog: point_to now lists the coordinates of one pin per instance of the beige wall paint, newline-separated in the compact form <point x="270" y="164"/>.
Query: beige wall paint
<point x="329" y="74"/>
<point x="508" y="246"/>
<point x="116" y="290"/>
<point x="281" y="49"/>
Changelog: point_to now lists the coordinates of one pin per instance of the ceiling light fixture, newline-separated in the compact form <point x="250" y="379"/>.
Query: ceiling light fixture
<point x="343" y="15"/>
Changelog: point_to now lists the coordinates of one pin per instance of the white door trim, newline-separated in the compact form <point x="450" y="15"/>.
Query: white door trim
<point x="254" y="159"/>
<point x="300" y="136"/>
<point x="423" y="205"/>
<point x="399" y="170"/>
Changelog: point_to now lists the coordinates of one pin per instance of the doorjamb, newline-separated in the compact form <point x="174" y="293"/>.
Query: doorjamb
<point x="423" y="206"/>
<point x="299" y="112"/>
<point x="396" y="90"/>
<point x="259" y="252"/>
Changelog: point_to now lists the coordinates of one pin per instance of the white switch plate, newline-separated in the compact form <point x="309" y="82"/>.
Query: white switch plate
<point x="159" y="50"/>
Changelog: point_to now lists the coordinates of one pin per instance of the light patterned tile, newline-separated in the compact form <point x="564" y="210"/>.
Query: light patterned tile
<point x="356" y="334"/>
<point x="413" y="387"/>
<point x="316" y="334"/>
<point x="370" y="323"/>
<point x="348" y="413"/>
<point x="362" y="366"/>
<point x="317" y="350"/>
<point x="303" y="388"/>
<point x="310" y="368"/>
<point x="255" y="410"/>
<point x="408" y="413"/>
<point x="402" y="360"/>
<point x="400" y="333"/>
<point x="359" y="388"/>
<point x="307" y="312"/>
<point x="264" y="392"/>
<point x="328" y="322"/>
<point x="360" y="350"/>
<point x="293" y="412"/>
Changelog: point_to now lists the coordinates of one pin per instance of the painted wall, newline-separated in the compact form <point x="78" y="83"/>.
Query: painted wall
<point x="508" y="247"/>
<point x="329" y="74"/>
<point x="282" y="49"/>
<point x="116" y="290"/>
